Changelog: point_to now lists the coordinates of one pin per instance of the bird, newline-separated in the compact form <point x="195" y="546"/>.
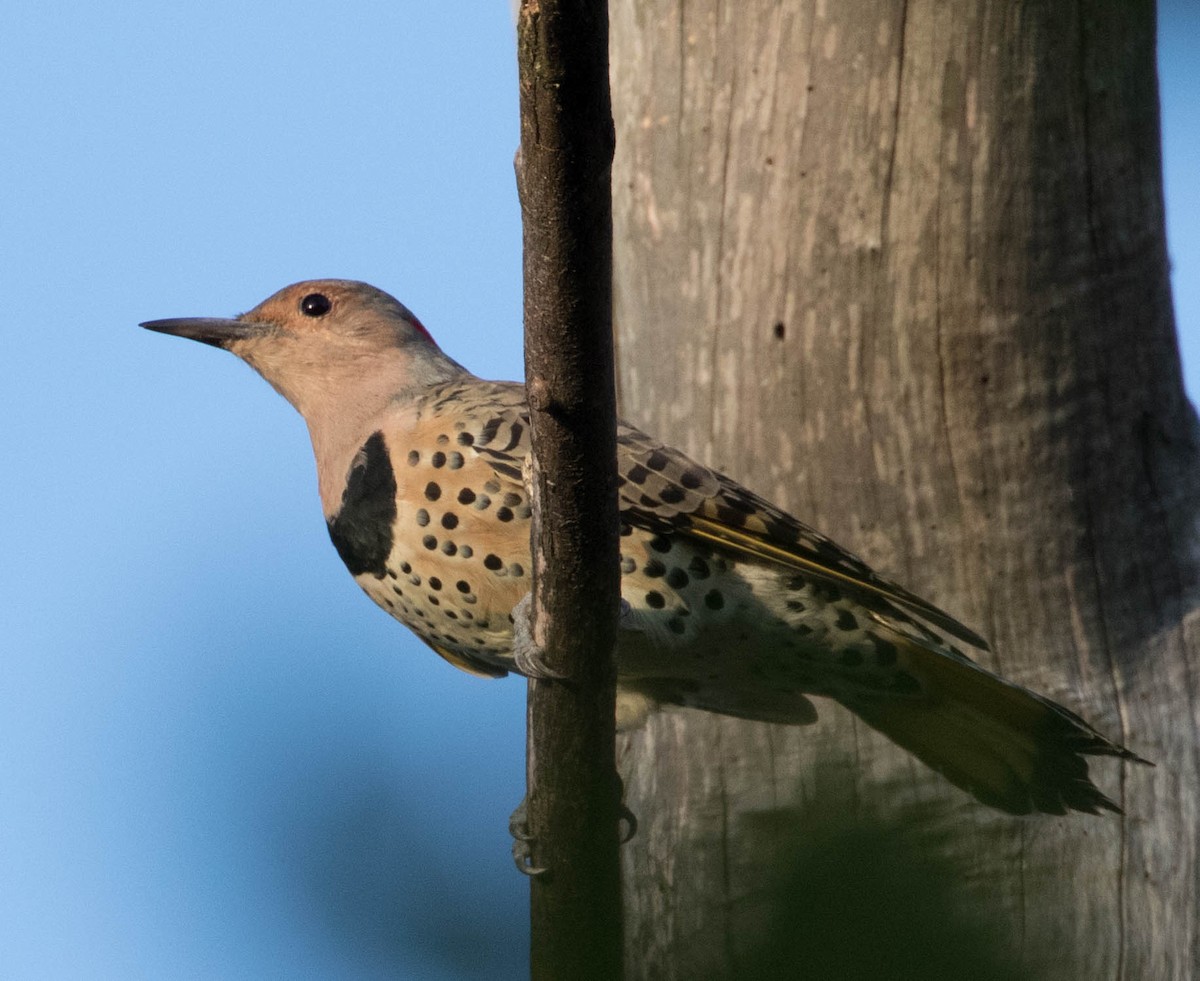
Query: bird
<point x="729" y="604"/>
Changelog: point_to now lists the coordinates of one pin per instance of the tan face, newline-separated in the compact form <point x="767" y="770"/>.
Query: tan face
<point x="337" y="307"/>
<point x="316" y="340"/>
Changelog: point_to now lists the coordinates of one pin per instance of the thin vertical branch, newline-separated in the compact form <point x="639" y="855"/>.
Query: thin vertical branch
<point x="564" y="180"/>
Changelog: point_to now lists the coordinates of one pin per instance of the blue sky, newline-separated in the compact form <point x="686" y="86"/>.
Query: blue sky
<point x="219" y="759"/>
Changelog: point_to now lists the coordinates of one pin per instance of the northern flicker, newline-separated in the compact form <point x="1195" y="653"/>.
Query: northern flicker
<point x="731" y="605"/>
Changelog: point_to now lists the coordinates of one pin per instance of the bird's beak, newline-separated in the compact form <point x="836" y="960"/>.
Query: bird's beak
<point x="209" y="330"/>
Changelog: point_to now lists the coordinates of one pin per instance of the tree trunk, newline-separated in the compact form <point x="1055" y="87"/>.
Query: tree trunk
<point x="901" y="268"/>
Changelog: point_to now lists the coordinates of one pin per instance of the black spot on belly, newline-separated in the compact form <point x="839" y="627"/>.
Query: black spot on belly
<point x="677" y="578"/>
<point x="846" y="620"/>
<point x="432" y="491"/>
<point x="714" y="600"/>
<point x="361" y="530"/>
<point x="655" y="600"/>
<point x="466" y="496"/>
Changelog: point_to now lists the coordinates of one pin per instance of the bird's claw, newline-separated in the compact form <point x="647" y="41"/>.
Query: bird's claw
<point x="528" y="657"/>
<point x="522" y="852"/>
<point x="530" y="663"/>
<point x="627" y="825"/>
<point x="627" y="822"/>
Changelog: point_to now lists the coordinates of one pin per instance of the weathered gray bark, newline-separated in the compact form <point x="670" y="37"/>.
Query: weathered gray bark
<point x="564" y="179"/>
<point x="900" y="267"/>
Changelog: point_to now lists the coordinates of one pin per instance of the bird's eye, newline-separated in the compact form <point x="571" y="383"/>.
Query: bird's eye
<point x="315" y="305"/>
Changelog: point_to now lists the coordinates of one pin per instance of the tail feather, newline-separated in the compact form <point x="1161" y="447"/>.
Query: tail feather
<point x="1012" y="749"/>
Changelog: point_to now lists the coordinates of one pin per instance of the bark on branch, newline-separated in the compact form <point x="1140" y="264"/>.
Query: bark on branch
<point x="564" y="181"/>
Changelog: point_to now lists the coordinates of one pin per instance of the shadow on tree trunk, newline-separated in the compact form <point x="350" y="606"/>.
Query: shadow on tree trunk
<point x="864" y="895"/>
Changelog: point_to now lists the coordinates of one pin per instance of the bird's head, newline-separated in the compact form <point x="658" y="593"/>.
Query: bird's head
<point x="323" y="342"/>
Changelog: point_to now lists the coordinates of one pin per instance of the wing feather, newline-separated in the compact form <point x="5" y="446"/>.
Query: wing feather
<point x="662" y="489"/>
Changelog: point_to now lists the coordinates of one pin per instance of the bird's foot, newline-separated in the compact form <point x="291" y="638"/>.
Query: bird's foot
<point x="522" y="848"/>
<point x="529" y="658"/>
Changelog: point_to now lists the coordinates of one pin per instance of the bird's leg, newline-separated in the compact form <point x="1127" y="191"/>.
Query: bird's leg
<point x="529" y="658"/>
